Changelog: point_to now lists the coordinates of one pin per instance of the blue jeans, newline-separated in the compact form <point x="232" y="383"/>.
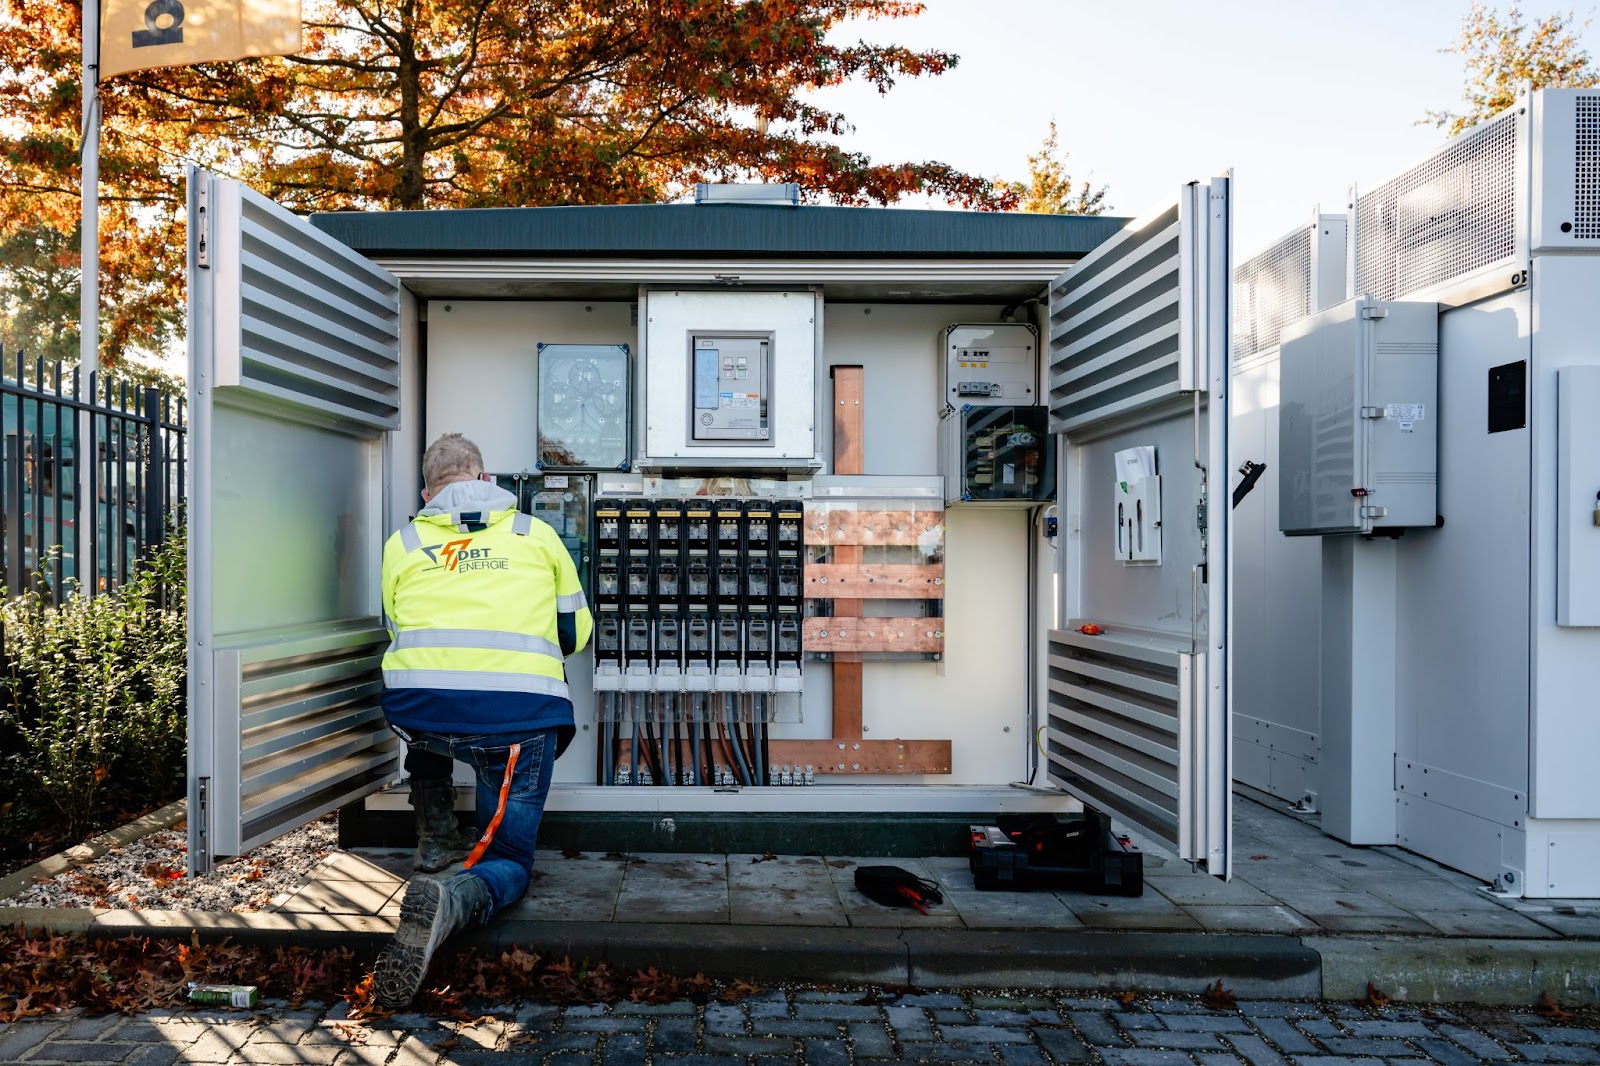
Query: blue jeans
<point x="507" y="865"/>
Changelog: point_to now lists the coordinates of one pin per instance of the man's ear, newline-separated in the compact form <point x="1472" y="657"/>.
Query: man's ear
<point x="426" y="495"/>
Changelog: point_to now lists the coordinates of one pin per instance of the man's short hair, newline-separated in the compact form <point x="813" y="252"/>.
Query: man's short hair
<point x="450" y="458"/>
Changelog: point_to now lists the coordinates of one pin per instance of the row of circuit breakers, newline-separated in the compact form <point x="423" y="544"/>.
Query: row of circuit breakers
<point x="698" y="595"/>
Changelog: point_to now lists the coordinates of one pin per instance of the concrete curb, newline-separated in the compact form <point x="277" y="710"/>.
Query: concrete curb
<point x="94" y="847"/>
<point x="1407" y="969"/>
<point x="1475" y="970"/>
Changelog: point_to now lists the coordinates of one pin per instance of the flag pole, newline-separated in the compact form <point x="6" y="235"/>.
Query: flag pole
<point x="89" y="305"/>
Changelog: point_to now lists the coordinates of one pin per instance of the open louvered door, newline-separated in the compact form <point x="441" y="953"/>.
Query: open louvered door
<point x="294" y="381"/>
<point x="1138" y="704"/>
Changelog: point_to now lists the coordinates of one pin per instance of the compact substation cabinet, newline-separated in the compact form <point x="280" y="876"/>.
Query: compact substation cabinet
<point x="994" y="442"/>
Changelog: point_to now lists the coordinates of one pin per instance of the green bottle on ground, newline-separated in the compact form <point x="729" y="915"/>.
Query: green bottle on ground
<point x="223" y="995"/>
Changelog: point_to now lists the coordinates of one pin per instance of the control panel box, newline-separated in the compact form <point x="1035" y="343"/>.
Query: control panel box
<point x="989" y="364"/>
<point x="729" y="379"/>
<point x="1358" y="419"/>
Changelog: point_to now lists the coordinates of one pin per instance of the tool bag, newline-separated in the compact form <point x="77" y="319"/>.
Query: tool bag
<point x="896" y="887"/>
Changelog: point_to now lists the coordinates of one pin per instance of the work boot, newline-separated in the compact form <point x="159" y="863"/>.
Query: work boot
<point x="440" y="841"/>
<point x="430" y="913"/>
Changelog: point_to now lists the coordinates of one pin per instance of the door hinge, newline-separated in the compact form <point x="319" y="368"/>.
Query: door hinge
<point x="1374" y="312"/>
<point x="202" y="824"/>
<point x="1369" y="511"/>
<point x="1372" y="412"/>
<point x="202" y="221"/>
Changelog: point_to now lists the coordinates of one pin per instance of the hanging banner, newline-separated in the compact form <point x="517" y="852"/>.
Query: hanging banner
<point x="141" y="34"/>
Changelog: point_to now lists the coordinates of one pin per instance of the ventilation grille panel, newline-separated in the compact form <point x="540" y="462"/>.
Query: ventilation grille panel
<point x="1270" y="291"/>
<point x="1114" y="325"/>
<point x="1448" y="216"/>
<point x="1586" y="181"/>
<point x="318" y="326"/>
<point x="1112" y="728"/>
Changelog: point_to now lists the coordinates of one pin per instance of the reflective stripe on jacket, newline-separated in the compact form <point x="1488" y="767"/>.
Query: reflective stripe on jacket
<point x="476" y="615"/>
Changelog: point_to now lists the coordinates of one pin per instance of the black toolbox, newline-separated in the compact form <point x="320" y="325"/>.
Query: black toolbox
<point x="1079" y="851"/>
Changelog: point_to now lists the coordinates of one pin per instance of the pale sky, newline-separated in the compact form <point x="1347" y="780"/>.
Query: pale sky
<point x="1299" y="98"/>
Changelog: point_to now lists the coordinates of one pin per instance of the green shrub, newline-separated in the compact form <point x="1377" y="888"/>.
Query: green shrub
<point x="93" y="694"/>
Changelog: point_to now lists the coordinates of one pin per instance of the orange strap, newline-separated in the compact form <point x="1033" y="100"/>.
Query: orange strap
<point x="499" y="811"/>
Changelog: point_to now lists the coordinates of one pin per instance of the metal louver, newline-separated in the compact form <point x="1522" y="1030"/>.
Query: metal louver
<point x="1270" y="291"/>
<point x="1114" y="327"/>
<point x="294" y="360"/>
<point x="333" y="354"/>
<point x="1454" y="213"/>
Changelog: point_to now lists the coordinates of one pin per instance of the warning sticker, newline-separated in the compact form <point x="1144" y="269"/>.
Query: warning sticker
<point x="746" y="399"/>
<point x="1410" y="412"/>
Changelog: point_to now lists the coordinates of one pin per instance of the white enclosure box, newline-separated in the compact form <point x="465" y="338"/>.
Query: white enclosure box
<point x="1358" y="419"/>
<point x="989" y="364"/>
<point x="993" y="436"/>
<point x="729" y="378"/>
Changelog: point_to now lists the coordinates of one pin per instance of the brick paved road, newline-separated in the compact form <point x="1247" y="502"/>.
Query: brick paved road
<point x="805" y="1028"/>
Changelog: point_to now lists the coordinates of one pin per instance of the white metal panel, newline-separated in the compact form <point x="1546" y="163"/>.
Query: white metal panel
<point x="1578" y="496"/>
<point x="1139" y="345"/>
<point x="287" y="336"/>
<point x="1566" y="320"/>
<point x="669" y="319"/>
<point x="482" y="375"/>
<point x="1565" y="138"/>
<point x="1277" y="718"/>
<point x="1277" y="580"/>
<point x="1462" y="601"/>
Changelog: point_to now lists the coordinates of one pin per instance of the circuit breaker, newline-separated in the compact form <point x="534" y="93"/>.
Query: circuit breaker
<point x="730" y="387"/>
<point x="997" y="454"/>
<point x="989" y="364"/>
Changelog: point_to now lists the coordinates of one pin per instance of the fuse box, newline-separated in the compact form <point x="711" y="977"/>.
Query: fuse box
<point x="989" y="364"/>
<point x="997" y="454"/>
<point x="698" y="595"/>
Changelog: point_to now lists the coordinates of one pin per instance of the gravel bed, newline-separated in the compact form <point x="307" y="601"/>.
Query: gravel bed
<point x="149" y="875"/>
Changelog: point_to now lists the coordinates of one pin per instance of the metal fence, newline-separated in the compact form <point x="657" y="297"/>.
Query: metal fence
<point x="129" y="444"/>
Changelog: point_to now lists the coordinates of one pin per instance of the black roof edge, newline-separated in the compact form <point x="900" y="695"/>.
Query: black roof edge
<point x="717" y="230"/>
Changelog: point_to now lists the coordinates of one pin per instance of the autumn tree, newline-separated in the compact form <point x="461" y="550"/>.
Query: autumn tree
<point x="1050" y="190"/>
<point x="1504" y="53"/>
<point x="453" y="103"/>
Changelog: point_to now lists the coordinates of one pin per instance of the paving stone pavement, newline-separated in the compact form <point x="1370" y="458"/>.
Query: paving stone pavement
<point x="829" y="1028"/>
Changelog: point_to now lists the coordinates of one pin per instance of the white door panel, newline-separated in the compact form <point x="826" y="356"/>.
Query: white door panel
<point x="294" y="379"/>
<point x="1139" y="361"/>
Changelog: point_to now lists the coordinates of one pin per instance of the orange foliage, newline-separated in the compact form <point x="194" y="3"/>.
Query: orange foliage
<point x="467" y="103"/>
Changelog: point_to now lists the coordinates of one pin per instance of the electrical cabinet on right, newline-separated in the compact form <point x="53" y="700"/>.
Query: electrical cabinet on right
<point x="994" y="442"/>
<point x="1358" y="419"/>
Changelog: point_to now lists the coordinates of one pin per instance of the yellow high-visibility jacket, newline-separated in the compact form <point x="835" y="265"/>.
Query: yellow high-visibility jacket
<point x="483" y="604"/>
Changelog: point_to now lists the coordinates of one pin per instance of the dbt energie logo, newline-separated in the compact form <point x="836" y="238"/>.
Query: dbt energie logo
<point x="460" y="556"/>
